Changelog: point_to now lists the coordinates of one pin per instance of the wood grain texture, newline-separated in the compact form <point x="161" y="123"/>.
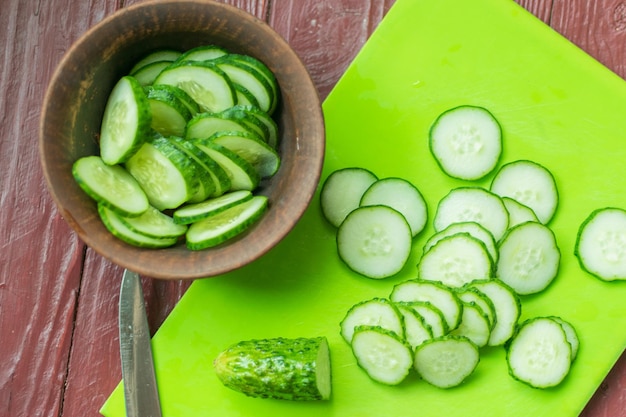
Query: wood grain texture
<point x="59" y="353"/>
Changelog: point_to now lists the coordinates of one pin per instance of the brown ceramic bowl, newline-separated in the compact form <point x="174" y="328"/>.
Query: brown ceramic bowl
<point x="74" y="104"/>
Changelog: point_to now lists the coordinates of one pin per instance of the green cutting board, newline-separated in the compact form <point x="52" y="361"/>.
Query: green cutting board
<point x="557" y="106"/>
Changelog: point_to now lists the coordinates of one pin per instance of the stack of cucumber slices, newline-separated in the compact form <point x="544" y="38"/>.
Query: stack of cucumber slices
<point x="491" y="246"/>
<point x="186" y="139"/>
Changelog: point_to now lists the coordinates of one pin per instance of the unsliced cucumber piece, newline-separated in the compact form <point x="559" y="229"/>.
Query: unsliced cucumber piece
<point x="289" y="369"/>
<point x="466" y="141"/>
<point x="169" y="114"/>
<point x="443" y="297"/>
<point x="153" y="223"/>
<point x="384" y="355"/>
<point x="166" y="174"/>
<point x="455" y="261"/>
<point x="126" y="121"/>
<point x="374" y="241"/>
<point x="529" y="258"/>
<point x="148" y="73"/>
<point x="373" y="312"/>
<point x="431" y="314"/>
<point x="203" y="53"/>
<point x="446" y="361"/>
<point x="342" y="192"/>
<point x="474" y="325"/>
<point x="401" y="195"/>
<point x="471" y="295"/>
<point x="161" y="55"/>
<point x="242" y="175"/>
<point x="507" y="305"/>
<point x="252" y="148"/>
<point x="416" y="329"/>
<point x="110" y="185"/>
<point x="205" y="82"/>
<point x="570" y="334"/>
<point x="472" y="204"/>
<point x="518" y="212"/>
<point x="539" y="353"/>
<point x="226" y="224"/>
<point x="473" y="229"/>
<point x="221" y="181"/>
<point x="601" y="244"/>
<point x="191" y="213"/>
<point x="531" y="184"/>
<point x="118" y="228"/>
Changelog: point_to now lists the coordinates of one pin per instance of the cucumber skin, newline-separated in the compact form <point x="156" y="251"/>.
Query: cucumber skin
<point x="277" y="368"/>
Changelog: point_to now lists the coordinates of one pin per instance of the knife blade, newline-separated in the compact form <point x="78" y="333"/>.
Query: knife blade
<point x="140" y="388"/>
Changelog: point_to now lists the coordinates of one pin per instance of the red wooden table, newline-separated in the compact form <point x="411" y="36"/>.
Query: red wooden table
<point x="59" y="352"/>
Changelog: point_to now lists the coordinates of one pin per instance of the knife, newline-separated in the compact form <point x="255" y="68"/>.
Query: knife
<point x="140" y="388"/>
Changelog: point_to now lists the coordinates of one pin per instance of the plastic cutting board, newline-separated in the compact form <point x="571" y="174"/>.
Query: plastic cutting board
<point x="557" y="106"/>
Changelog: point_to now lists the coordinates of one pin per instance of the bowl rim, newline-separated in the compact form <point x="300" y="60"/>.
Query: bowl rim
<point x="127" y="258"/>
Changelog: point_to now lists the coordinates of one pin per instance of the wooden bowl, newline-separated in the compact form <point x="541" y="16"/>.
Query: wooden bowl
<point x="75" y="100"/>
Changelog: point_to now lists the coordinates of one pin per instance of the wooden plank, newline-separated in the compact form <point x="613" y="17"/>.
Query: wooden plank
<point x="40" y="258"/>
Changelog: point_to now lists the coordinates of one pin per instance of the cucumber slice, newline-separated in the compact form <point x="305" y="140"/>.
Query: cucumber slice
<point x="226" y="224"/>
<point x="570" y="334"/>
<point x="286" y="369"/>
<point x="206" y="83"/>
<point x="126" y="121"/>
<point x="205" y="125"/>
<point x="252" y="148"/>
<point x="384" y="355"/>
<point x="251" y="79"/>
<point x="148" y="73"/>
<point x="472" y="204"/>
<point x="169" y="114"/>
<point x="168" y="176"/>
<point x="245" y="97"/>
<point x="474" y="325"/>
<point x="402" y="196"/>
<point x="441" y="296"/>
<point x="263" y="70"/>
<point x="221" y="181"/>
<point x="473" y="229"/>
<point x="241" y="174"/>
<point x="539" y="354"/>
<point x="507" y="305"/>
<point x="466" y="142"/>
<point x="374" y="241"/>
<point x="110" y="185"/>
<point x="163" y="55"/>
<point x="416" y="329"/>
<point x="529" y="258"/>
<point x="194" y="212"/>
<point x="266" y="119"/>
<point x="518" y="212"/>
<point x="529" y="183"/>
<point x="153" y="223"/>
<point x="471" y="295"/>
<point x="446" y="361"/>
<point x="247" y="120"/>
<point x="181" y="95"/>
<point x="118" y="228"/>
<point x="374" y="312"/>
<point x="203" y="53"/>
<point x="432" y="316"/>
<point x="342" y="192"/>
<point x="601" y="244"/>
<point x="455" y="261"/>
